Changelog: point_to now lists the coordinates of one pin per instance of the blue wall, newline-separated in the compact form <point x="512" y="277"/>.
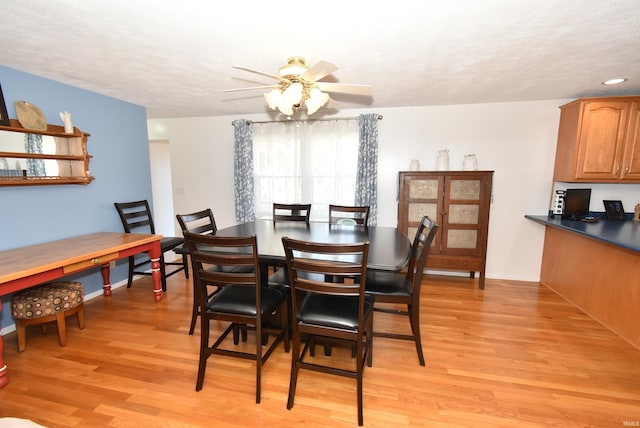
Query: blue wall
<point x="120" y="164"/>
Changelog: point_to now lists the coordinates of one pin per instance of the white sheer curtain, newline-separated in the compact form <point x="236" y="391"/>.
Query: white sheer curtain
<point x="307" y="162"/>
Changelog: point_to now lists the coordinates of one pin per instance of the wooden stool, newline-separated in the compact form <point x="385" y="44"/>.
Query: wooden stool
<point x="45" y="303"/>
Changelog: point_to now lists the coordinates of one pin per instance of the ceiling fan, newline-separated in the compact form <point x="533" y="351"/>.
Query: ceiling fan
<point x="299" y="84"/>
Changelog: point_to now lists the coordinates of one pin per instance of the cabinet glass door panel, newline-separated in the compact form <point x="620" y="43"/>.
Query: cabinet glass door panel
<point x="423" y="189"/>
<point x="464" y="214"/>
<point x="462" y="239"/>
<point x="418" y="210"/>
<point x="465" y="189"/>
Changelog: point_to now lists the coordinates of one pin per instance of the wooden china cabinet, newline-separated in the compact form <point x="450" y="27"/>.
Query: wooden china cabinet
<point x="459" y="202"/>
<point x="599" y="141"/>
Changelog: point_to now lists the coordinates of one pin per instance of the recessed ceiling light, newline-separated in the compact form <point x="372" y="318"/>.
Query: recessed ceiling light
<point x="614" y="81"/>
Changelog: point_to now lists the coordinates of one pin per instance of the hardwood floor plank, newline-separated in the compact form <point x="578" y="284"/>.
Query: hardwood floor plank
<point x="514" y="354"/>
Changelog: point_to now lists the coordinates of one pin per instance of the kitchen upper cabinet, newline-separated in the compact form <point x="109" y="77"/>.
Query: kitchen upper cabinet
<point x="599" y="141"/>
<point x="459" y="202"/>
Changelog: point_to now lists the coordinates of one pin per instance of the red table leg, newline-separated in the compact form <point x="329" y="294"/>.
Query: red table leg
<point x="106" y="280"/>
<point x="154" y="255"/>
<point x="4" y="377"/>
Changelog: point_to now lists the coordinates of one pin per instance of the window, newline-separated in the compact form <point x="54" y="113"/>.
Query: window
<point x="307" y="162"/>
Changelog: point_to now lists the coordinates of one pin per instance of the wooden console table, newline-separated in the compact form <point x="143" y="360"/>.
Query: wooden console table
<point x="29" y="266"/>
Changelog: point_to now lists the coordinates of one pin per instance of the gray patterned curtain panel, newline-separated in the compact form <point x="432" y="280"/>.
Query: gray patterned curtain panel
<point x="367" y="175"/>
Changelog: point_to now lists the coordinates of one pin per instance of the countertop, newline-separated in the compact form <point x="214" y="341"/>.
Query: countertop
<point x="625" y="234"/>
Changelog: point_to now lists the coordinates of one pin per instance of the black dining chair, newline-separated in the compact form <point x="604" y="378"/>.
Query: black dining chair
<point x="239" y="301"/>
<point x="404" y="287"/>
<point x="329" y="310"/>
<point x="345" y="214"/>
<point x="291" y="212"/>
<point x="286" y="213"/>
<point x="204" y="223"/>
<point x="201" y="222"/>
<point x="136" y="218"/>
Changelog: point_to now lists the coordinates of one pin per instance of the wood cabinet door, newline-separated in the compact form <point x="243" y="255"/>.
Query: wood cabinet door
<point x="423" y="196"/>
<point x="601" y="140"/>
<point x="462" y="215"/>
<point x="631" y="160"/>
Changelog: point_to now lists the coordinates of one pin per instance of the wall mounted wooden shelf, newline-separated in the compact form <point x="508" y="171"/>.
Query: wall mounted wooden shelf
<point x="61" y="157"/>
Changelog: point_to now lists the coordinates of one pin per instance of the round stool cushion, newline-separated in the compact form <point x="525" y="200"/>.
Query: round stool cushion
<point x="47" y="299"/>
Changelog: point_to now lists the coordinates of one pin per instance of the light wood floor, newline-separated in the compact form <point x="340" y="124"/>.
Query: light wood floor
<point x="514" y="354"/>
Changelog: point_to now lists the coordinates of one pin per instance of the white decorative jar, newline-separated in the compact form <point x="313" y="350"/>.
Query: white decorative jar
<point x="415" y="165"/>
<point x="470" y="163"/>
<point x="442" y="163"/>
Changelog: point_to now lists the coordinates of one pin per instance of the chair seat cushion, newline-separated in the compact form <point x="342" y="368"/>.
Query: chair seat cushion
<point x="181" y="249"/>
<point x="388" y="283"/>
<point x="241" y="300"/>
<point x="333" y="311"/>
<point x="279" y="278"/>
<point x="47" y="299"/>
<point x="170" y="242"/>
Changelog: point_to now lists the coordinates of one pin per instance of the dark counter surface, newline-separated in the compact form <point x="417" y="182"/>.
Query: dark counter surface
<point x="625" y="234"/>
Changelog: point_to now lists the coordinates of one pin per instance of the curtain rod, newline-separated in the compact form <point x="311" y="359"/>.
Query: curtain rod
<point x="306" y="120"/>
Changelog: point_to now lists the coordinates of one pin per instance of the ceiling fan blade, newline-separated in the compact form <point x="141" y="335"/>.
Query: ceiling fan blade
<point x="262" y="73"/>
<point x="251" y="88"/>
<point x="318" y="71"/>
<point x="344" y="88"/>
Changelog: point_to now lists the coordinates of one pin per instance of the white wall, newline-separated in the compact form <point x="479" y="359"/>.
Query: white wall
<point x="516" y="140"/>
<point x="161" y="187"/>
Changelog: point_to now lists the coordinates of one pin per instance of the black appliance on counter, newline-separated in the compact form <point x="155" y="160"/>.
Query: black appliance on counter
<point x="576" y="203"/>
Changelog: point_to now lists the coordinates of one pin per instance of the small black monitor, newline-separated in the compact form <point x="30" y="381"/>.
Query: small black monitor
<point x="576" y="203"/>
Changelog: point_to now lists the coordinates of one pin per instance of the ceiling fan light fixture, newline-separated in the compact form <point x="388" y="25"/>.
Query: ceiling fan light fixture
<point x="274" y="98"/>
<point x="287" y="98"/>
<point x="286" y="109"/>
<point x="295" y="66"/>
<point x="299" y="84"/>
<point x="293" y="94"/>
<point x="316" y="99"/>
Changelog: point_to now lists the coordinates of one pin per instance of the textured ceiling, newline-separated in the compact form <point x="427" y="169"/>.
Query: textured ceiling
<point x="175" y="57"/>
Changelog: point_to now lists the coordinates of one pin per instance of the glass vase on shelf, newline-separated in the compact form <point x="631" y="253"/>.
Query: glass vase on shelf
<point x="470" y="162"/>
<point x="442" y="162"/>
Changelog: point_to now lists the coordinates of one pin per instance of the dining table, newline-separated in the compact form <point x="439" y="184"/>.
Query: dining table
<point x="389" y="248"/>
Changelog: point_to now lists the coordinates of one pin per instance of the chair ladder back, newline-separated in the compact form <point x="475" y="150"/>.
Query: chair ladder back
<point x="201" y="222"/>
<point x="422" y="244"/>
<point x="210" y="250"/>
<point x="135" y="215"/>
<point x="349" y="214"/>
<point x="291" y="212"/>
<point x="313" y="266"/>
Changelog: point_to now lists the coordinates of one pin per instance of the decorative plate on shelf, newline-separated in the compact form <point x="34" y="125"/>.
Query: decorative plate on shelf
<point x="30" y="116"/>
